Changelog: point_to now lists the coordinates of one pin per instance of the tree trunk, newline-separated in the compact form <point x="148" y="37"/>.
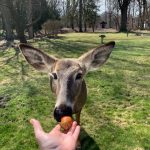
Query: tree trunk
<point x="29" y="14"/>
<point x="123" y="4"/>
<point x="116" y="22"/>
<point x="67" y="13"/>
<point x="85" y="26"/>
<point x="144" y="13"/>
<point x="141" y="4"/>
<point x="93" y="29"/>
<point x="80" y="15"/>
<point x="123" y="27"/>
<point x="20" y="34"/>
<point x="72" y="13"/>
<point x="110" y="22"/>
<point x="7" y="21"/>
<point x="18" y="21"/>
<point x="21" y="37"/>
<point x="133" y="14"/>
<point x="72" y="22"/>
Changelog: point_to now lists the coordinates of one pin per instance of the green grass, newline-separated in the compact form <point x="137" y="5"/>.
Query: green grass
<point x="117" y="113"/>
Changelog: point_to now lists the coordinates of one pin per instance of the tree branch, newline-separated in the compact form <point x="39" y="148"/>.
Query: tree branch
<point x="4" y="5"/>
<point x="35" y="21"/>
<point x="120" y="4"/>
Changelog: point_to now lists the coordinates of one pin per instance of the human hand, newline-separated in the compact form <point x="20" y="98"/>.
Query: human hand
<point x="55" y="139"/>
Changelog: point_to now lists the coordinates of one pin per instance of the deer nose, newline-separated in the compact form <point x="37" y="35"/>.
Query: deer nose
<point x="61" y="111"/>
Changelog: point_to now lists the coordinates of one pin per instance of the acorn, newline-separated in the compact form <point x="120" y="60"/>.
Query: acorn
<point x="66" y="122"/>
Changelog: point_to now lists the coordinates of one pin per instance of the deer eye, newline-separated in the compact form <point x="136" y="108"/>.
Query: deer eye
<point x="54" y="75"/>
<point x="79" y="76"/>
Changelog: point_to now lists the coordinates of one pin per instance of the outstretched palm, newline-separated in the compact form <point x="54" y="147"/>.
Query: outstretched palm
<point x="56" y="140"/>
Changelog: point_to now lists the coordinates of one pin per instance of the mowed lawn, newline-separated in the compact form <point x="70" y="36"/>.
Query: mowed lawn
<point x="117" y="113"/>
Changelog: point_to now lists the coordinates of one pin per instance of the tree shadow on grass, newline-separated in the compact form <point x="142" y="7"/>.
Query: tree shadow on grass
<point x="87" y="142"/>
<point x="65" y="49"/>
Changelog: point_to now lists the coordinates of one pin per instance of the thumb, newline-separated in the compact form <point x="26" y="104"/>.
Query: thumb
<point x="37" y="127"/>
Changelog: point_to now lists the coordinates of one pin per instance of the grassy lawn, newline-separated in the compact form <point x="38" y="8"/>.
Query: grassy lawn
<point x="117" y="113"/>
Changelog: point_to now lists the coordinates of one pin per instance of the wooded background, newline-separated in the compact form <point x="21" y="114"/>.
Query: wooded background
<point x="26" y="19"/>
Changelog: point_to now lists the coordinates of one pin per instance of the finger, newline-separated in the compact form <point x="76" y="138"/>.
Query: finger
<point x="72" y="129"/>
<point x="37" y="126"/>
<point x="76" y="133"/>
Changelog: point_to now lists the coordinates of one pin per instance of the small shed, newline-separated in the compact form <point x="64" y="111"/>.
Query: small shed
<point x="103" y="24"/>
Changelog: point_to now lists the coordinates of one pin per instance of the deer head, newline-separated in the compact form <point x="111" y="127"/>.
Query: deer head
<point x="66" y="75"/>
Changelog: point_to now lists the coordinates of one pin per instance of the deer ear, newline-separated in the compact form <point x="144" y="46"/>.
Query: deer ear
<point x="96" y="57"/>
<point x="37" y="58"/>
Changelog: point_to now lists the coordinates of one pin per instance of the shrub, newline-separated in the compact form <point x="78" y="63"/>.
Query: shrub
<point x="52" y="27"/>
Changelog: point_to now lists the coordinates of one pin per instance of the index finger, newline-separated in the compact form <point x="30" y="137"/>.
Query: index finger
<point x="73" y="127"/>
<point x="76" y="133"/>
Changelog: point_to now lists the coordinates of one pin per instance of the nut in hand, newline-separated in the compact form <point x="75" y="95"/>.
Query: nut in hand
<point x="66" y="122"/>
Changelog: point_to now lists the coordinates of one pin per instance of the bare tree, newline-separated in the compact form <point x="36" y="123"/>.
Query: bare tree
<point x="89" y="14"/>
<point x="73" y="11"/>
<point x="70" y="9"/>
<point x="7" y="20"/>
<point x="148" y="14"/>
<point x="18" y="13"/>
<point x="143" y="13"/>
<point x="132" y="13"/>
<point x="29" y="17"/>
<point x="110" y="6"/>
<point x="112" y="13"/>
<point x="80" y="15"/>
<point x="123" y="5"/>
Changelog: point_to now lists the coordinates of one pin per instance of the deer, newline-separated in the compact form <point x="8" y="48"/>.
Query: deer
<point x="67" y="76"/>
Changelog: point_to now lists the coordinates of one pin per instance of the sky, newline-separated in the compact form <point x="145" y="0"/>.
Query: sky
<point x="101" y="4"/>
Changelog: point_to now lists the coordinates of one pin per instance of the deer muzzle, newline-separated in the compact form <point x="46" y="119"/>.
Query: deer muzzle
<point x="62" y="111"/>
